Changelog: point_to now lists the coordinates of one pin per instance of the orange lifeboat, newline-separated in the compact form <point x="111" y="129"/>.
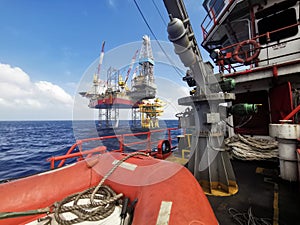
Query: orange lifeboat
<point x="164" y="192"/>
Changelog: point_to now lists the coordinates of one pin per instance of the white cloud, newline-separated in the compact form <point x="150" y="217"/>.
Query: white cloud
<point x="13" y="75"/>
<point x="21" y="98"/>
<point x="53" y="93"/>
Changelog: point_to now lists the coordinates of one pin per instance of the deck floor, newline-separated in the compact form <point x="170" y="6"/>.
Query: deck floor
<point x="262" y="192"/>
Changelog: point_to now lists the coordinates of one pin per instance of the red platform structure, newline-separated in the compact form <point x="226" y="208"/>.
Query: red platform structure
<point x="113" y="94"/>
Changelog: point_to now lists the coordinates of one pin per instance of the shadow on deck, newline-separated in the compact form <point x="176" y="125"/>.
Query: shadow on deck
<point x="261" y="195"/>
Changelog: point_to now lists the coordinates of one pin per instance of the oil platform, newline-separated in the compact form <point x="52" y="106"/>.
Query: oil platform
<point x="113" y="94"/>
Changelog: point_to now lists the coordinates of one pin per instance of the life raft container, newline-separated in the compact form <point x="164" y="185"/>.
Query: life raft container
<point x="256" y="51"/>
<point x="166" y="192"/>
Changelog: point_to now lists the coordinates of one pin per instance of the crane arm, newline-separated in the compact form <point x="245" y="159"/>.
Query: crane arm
<point x="131" y="65"/>
<point x="100" y="59"/>
<point x="182" y="35"/>
<point x="177" y="9"/>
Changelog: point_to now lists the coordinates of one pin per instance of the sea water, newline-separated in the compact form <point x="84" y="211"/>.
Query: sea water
<point x="25" y="146"/>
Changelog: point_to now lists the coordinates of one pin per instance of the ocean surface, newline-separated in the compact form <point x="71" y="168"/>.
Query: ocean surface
<point x="25" y="146"/>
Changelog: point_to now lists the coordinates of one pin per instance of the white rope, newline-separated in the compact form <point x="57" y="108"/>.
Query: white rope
<point x="250" y="148"/>
<point x="101" y="204"/>
<point x="247" y="218"/>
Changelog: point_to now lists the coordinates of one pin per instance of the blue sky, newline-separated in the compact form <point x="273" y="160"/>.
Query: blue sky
<point x="46" y="46"/>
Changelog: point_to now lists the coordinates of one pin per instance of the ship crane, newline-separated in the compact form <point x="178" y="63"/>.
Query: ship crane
<point x="209" y="162"/>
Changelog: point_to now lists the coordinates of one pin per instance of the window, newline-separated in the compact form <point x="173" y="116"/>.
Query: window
<point x="216" y="6"/>
<point x="275" y="22"/>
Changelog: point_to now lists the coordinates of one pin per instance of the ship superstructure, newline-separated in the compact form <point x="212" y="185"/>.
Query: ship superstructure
<point x="257" y="43"/>
<point x="256" y="47"/>
<point x="114" y="93"/>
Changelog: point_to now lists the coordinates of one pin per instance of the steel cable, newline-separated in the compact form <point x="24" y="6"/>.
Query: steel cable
<point x="152" y="32"/>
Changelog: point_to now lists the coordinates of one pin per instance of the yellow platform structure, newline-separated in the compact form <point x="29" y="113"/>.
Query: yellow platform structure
<point x="150" y="111"/>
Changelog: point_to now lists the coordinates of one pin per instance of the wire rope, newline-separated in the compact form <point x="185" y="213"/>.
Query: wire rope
<point x="157" y="9"/>
<point x="163" y="50"/>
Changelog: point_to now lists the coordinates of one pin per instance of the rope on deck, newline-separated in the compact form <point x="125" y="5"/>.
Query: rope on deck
<point x="247" y="218"/>
<point x="102" y="201"/>
<point x="252" y="148"/>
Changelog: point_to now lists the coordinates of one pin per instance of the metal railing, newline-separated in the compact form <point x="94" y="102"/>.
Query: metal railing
<point x="211" y="19"/>
<point x="147" y="142"/>
<point x="293" y="113"/>
<point x="227" y="63"/>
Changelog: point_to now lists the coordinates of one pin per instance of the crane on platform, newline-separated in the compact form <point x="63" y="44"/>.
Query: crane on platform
<point x="116" y="95"/>
<point x="93" y="94"/>
<point x="122" y="83"/>
<point x="97" y="80"/>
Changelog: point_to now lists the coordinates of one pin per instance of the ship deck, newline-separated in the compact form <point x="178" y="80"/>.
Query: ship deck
<point x="262" y="194"/>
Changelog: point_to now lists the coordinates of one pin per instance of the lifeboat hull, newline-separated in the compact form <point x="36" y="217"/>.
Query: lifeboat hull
<point x="166" y="192"/>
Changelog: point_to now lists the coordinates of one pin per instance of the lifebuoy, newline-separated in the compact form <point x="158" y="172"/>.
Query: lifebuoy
<point x="256" y="51"/>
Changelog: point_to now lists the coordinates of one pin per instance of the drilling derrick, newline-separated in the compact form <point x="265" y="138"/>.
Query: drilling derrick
<point x="142" y="86"/>
<point x="113" y="94"/>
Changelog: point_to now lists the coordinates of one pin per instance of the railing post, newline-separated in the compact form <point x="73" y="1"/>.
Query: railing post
<point x="52" y="163"/>
<point x="149" y="140"/>
<point x="79" y="144"/>
<point x="169" y="137"/>
<point x="121" y="143"/>
<point x="291" y="114"/>
<point x="214" y="16"/>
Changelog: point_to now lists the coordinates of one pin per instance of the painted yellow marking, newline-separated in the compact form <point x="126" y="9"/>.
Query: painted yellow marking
<point x="259" y="170"/>
<point x="189" y="139"/>
<point x="183" y="151"/>
<point x="164" y="213"/>
<point x="275" y="205"/>
<point x="275" y="201"/>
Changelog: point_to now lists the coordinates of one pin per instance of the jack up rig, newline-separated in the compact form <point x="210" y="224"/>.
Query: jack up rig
<point x="113" y="94"/>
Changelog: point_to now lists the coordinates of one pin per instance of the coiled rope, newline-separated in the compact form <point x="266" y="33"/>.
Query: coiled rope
<point x="101" y="201"/>
<point x="250" y="148"/>
<point x="248" y="218"/>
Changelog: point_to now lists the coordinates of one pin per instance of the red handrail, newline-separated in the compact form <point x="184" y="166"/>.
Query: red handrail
<point x="291" y="114"/>
<point x="212" y="18"/>
<point x="230" y="49"/>
<point x="62" y="158"/>
<point x="122" y="144"/>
